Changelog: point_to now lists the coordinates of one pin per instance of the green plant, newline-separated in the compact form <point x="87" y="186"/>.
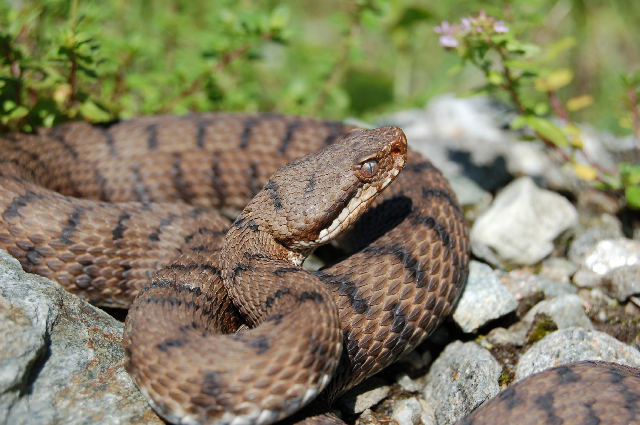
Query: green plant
<point x="524" y="72"/>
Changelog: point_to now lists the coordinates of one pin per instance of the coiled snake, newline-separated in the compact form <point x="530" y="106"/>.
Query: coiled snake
<point x="226" y="327"/>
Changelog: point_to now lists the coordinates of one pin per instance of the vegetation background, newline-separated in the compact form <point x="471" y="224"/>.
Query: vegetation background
<point x="108" y="59"/>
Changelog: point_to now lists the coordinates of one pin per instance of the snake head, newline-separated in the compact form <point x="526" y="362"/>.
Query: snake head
<point x="311" y="200"/>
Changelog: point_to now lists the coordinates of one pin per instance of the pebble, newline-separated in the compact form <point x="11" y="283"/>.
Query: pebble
<point x="624" y="282"/>
<point x="585" y="278"/>
<point x="574" y="344"/>
<point x="408" y="384"/>
<point x="364" y="396"/>
<point x="407" y="411"/>
<point x="610" y="254"/>
<point x="484" y="299"/>
<point x="462" y="377"/>
<point x="522" y="223"/>
<point x="605" y="226"/>
<point x="558" y="269"/>
<point x="523" y="284"/>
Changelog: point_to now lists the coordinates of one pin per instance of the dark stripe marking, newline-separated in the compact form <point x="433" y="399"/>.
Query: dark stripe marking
<point x="108" y="138"/>
<point x="510" y="398"/>
<point x="311" y="295"/>
<point x="449" y="197"/>
<point x="165" y="221"/>
<point x="139" y="186"/>
<point x="18" y="202"/>
<point x="409" y="262"/>
<point x="273" y="188"/>
<point x="254" y="181"/>
<point x="276" y="295"/>
<point x="177" y="179"/>
<point x="348" y="289"/>
<point x="170" y="343"/>
<point x="72" y="225"/>
<point x="432" y="224"/>
<point x="260" y="343"/>
<point x="102" y="183"/>
<point x="217" y="182"/>
<point x="152" y="136"/>
<point x="281" y="271"/>
<point x="545" y="403"/>
<point x="239" y="269"/>
<point x="566" y="375"/>
<point x="202" y="131"/>
<point x="311" y="185"/>
<point x="288" y="136"/>
<point x="55" y="135"/>
<point x="212" y="386"/>
<point x="246" y="132"/>
<point x="119" y="230"/>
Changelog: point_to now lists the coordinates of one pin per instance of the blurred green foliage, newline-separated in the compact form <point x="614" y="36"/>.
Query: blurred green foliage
<point x="100" y="60"/>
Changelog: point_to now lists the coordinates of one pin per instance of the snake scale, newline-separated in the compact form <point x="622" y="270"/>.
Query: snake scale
<point x="224" y="325"/>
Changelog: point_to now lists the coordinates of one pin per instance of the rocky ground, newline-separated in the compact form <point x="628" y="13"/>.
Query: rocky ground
<point x="555" y="278"/>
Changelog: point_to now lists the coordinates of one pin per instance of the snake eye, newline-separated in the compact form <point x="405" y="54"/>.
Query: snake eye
<point x="369" y="168"/>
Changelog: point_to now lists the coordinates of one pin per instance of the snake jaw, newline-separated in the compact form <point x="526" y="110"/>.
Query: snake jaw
<point x="354" y="209"/>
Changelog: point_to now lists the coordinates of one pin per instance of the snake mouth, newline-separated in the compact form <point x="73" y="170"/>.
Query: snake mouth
<point x="357" y="204"/>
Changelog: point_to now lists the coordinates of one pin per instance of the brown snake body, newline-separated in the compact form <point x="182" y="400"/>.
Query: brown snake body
<point x="104" y="210"/>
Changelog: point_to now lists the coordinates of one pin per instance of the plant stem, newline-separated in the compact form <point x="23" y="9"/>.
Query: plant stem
<point x="510" y="84"/>
<point x="557" y="106"/>
<point x="633" y="104"/>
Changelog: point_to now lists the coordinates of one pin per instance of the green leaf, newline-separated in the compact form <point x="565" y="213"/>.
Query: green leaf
<point x="630" y="174"/>
<point x="94" y="112"/>
<point x="547" y="129"/>
<point x="632" y="194"/>
<point x="495" y="78"/>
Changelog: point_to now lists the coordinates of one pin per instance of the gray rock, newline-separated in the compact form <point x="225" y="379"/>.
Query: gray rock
<point x="604" y="227"/>
<point x="364" y="396"/>
<point x="624" y="281"/>
<point x="558" y="269"/>
<point x="460" y="379"/>
<point x="61" y="358"/>
<point x="502" y="336"/>
<point x="609" y="254"/>
<point x="523" y="284"/>
<point x="585" y="278"/>
<point x="565" y="310"/>
<point x="408" y="384"/>
<point x="522" y="223"/>
<point x="407" y="411"/>
<point x="484" y="299"/>
<point x="574" y="344"/>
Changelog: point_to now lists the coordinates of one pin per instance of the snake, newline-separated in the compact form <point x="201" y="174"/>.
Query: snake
<point x="199" y="225"/>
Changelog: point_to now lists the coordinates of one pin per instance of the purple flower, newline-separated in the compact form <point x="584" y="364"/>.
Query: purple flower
<point x="444" y="28"/>
<point x="465" y="24"/>
<point x="500" y="27"/>
<point x="448" y="40"/>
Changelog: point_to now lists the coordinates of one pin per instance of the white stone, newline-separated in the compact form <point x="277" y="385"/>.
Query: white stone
<point x="522" y="223"/>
